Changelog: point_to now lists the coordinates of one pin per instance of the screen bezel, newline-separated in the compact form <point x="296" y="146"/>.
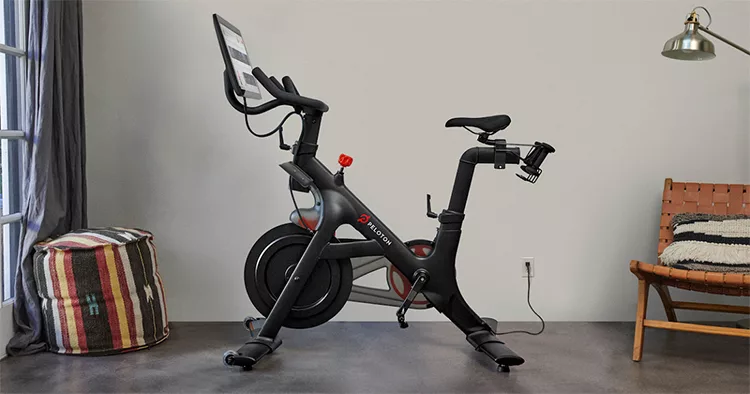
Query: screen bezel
<point x="218" y="22"/>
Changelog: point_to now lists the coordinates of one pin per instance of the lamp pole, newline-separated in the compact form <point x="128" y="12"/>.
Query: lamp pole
<point x="724" y="40"/>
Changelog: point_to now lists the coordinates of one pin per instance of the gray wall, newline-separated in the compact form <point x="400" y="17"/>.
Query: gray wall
<point x="167" y="153"/>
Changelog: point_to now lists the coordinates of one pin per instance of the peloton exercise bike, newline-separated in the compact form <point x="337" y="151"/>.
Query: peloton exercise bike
<point x="299" y="275"/>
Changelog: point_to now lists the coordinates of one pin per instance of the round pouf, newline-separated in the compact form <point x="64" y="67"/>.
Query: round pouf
<point x="101" y="291"/>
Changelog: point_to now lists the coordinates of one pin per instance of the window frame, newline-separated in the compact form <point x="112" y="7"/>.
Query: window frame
<point x="14" y="33"/>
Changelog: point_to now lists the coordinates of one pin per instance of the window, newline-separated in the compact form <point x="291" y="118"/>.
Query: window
<point x="12" y="64"/>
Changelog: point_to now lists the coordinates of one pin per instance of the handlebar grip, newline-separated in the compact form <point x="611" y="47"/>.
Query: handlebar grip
<point x="276" y="82"/>
<point x="289" y="85"/>
<point x="286" y="97"/>
<point x="263" y="79"/>
<point x="236" y="104"/>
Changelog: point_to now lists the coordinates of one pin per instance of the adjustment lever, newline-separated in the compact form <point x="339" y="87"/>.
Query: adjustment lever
<point x="422" y="277"/>
<point x="430" y="214"/>
<point x="282" y="145"/>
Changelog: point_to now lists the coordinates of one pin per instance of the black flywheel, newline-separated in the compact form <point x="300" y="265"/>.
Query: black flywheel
<point x="269" y="267"/>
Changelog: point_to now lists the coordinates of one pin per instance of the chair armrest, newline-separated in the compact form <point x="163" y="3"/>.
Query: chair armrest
<point x="635" y="268"/>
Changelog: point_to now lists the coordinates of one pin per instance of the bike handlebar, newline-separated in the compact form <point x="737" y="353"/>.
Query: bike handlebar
<point x="236" y="104"/>
<point x="276" y="82"/>
<point x="289" y="85"/>
<point x="278" y="91"/>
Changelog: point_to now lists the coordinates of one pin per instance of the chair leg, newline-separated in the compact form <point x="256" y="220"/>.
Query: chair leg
<point x="666" y="299"/>
<point x="640" y="316"/>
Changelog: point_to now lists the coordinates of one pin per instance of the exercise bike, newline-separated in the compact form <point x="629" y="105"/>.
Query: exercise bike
<point x="299" y="274"/>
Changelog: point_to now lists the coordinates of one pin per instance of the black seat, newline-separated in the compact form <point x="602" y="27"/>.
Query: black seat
<point x="488" y="124"/>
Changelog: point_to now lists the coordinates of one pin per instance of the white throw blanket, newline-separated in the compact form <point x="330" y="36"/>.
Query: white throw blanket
<point x="708" y="242"/>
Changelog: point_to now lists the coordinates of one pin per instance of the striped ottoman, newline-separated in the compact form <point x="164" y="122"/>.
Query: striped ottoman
<point x="101" y="292"/>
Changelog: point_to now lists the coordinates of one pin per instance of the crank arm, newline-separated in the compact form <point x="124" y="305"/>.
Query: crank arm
<point x="369" y="295"/>
<point x="422" y="278"/>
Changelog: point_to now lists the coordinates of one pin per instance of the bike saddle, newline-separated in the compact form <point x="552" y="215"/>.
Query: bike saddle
<point x="488" y="124"/>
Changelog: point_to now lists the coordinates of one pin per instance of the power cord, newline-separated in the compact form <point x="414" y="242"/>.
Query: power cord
<point x="296" y="207"/>
<point x="281" y="144"/>
<point x="270" y="133"/>
<point x="528" y="301"/>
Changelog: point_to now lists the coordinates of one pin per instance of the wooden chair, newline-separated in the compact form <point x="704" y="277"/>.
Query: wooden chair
<point x="702" y="198"/>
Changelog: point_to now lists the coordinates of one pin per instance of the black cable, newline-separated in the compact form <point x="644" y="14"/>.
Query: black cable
<point x="270" y="133"/>
<point x="528" y="300"/>
<point x="296" y="208"/>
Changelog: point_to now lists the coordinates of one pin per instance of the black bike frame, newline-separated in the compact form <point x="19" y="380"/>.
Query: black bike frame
<point x="341" y="206"/>
<point x="434" y="275"/>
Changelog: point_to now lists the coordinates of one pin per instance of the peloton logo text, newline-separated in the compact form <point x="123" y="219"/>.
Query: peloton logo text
<point x="365" y="219"/>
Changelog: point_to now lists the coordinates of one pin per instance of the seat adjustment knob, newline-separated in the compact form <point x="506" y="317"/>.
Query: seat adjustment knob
<point x="345" y="160"/>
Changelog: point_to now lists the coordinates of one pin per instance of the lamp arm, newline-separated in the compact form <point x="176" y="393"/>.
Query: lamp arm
<point x="720" y="38"/>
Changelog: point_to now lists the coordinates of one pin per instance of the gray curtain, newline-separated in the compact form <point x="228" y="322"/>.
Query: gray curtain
<point x="54" y="195"/>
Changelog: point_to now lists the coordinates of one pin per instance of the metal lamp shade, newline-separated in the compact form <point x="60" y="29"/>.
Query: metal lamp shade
<point x="689" y="45"/>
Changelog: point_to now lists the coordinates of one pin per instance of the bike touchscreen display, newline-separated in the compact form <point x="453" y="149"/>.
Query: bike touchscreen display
<point x="238" y="64"/>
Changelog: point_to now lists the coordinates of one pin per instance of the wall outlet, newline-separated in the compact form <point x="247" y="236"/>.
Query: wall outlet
<point x="524" y="272"/>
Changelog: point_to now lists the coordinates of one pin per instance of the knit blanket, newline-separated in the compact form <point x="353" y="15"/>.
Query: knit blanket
<point x="707" y="242"/>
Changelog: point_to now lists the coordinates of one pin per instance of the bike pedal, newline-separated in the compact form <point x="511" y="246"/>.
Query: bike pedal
<point x="402" y="322"/>
<point x="421" y="278"/>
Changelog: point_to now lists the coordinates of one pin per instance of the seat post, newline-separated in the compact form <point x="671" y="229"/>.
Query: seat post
<point x="465" y="173"/>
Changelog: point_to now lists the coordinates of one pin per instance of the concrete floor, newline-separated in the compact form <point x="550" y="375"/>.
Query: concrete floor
<point x="381" y="358"/>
